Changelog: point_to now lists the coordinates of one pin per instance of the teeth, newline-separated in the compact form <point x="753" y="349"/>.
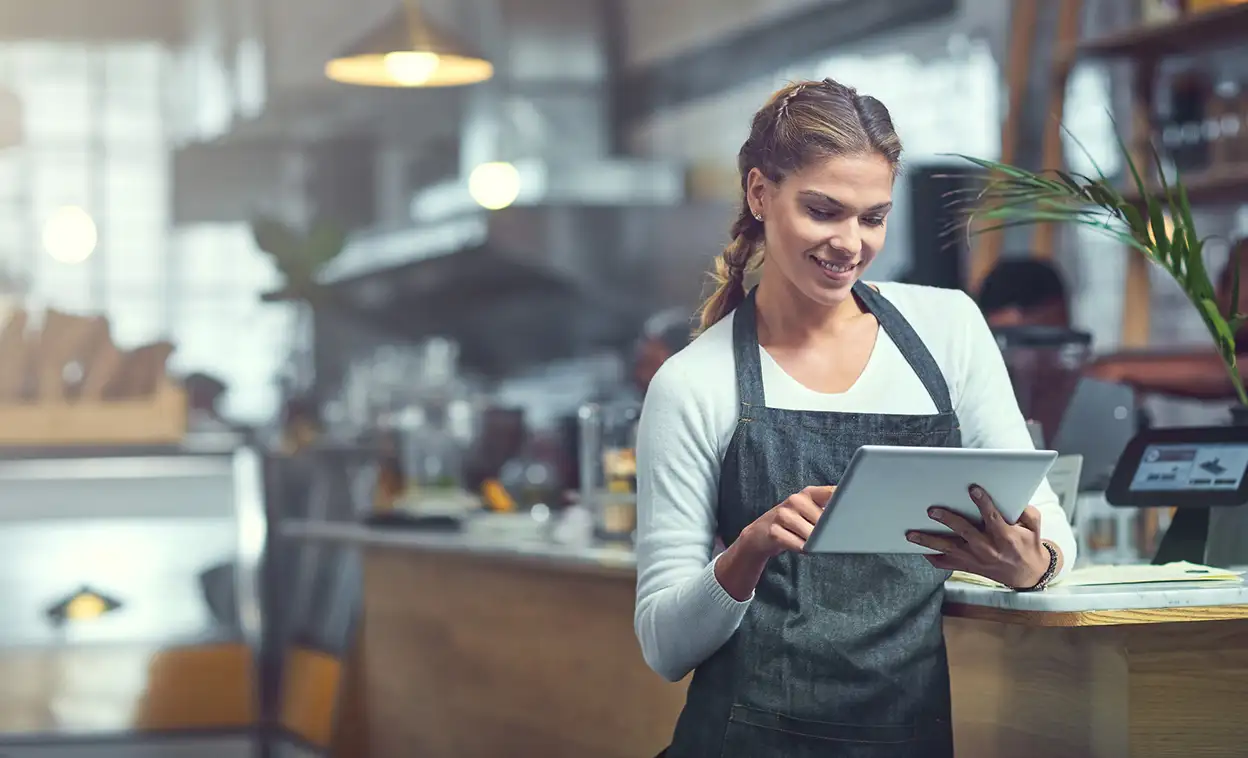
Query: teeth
<point x="839" y="268"/>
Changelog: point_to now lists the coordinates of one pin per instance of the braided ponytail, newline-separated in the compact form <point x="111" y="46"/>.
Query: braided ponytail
<point x="740" y="256"/>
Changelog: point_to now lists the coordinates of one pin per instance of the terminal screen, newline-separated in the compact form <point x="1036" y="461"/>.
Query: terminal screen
<point x="1195" y="467"/>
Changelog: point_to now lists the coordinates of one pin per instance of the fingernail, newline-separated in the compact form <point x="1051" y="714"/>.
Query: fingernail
<point x="935" y="513"/>
<point x="976" y="491"/>
<point x="912" y="536"/>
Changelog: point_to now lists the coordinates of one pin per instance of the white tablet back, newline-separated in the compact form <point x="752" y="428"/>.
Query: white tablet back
<point x="886" y="492"/>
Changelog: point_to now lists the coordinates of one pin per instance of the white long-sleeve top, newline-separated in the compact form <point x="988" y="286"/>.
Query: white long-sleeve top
<point x="683" y="615"/>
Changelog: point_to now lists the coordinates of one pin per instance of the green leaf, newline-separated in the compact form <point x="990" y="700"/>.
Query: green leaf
<point x="1157" y="224"/>
<point x="1075" y="186"/>
<point x="1135" y="173"/>
<point x="1106" y="196"/>
<point x="274" y="237"/>
<point x="324" y="243"/>
<point x="1196" y="280"/>
<point x="1135" y="220"/>
<point x="1222" y="334"/>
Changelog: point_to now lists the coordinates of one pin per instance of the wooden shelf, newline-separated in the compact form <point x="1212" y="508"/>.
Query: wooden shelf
<point x="1223" y="185"/>
<point x="1197" y="33"/>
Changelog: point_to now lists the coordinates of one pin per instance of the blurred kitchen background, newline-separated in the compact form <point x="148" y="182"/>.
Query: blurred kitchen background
<point x="410" y="264"/>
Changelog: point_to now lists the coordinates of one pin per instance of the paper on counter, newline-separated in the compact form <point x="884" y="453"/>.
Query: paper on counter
<point x="1181" y="571"/>
<point x="964" y="577"/>
<point x="1103" y="576"/>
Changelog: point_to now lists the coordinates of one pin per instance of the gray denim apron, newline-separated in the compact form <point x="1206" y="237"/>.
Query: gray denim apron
<point x="838" y="655"/>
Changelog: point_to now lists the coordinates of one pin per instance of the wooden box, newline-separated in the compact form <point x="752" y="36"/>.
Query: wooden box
<point x="65" y="383"/>
<point x="155" y="420"/>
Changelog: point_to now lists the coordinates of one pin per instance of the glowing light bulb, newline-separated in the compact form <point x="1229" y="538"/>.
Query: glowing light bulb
<point x="411" y="68"/>
<point x="69" y="235"/>
<point x="494" y="185"/>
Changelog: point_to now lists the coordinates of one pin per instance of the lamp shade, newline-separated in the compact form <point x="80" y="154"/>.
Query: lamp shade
<point x="409" y="51"/>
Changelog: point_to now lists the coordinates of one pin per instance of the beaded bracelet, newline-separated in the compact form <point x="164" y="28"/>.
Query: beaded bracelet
<point x="1048" y="573"/>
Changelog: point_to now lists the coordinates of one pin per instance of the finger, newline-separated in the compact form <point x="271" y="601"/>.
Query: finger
<point x="960" y="525"/>
<point x="994" y="522"/>
<point x="948" y="562"/>
<point x="786" y="539"/>
<point x="820" y="494"/>
<point x="795" y="522"/>
<point x="1030" y="519"/>
<point x="976" y="541"/>
<point x="938" y="542"/>
<point x="805" y="506"/>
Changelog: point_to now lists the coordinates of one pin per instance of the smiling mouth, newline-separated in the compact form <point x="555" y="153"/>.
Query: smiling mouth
<point x="834" y="266"/>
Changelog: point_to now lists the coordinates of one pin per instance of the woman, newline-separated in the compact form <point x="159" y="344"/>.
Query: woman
<point x="816" y="655"/>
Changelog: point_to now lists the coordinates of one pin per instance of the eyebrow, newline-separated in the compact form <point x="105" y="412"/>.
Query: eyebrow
<point x="880" y="208"/>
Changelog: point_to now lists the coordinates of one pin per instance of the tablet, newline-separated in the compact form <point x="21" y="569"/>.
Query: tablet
<point x="887" y="490"/>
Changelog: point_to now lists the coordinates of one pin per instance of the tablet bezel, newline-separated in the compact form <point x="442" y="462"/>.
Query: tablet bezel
<point x="977" y="457"/>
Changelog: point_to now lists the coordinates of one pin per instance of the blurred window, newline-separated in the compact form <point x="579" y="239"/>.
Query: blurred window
<point x="97" y="123"/>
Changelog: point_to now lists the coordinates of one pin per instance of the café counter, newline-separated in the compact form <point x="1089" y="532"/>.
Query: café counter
<point x="475" y="645"/>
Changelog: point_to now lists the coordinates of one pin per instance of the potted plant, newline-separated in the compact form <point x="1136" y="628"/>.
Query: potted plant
<point x="297" y="255"/>
<point x="1157" y="224"/>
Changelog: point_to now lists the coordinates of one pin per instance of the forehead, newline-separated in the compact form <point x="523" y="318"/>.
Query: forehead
<point x="859" y="181"/>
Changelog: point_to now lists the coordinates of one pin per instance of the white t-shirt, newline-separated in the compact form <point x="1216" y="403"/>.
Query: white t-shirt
<point x="683" y="615"/>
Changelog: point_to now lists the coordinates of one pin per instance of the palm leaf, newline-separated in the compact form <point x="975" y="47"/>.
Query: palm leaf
<point x="1014" y="197"/>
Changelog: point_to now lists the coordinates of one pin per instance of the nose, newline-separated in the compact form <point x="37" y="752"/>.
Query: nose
<point x="847" y="237"/>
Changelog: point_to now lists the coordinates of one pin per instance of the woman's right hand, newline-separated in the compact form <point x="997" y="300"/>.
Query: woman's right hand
<point x="786" y="527"/>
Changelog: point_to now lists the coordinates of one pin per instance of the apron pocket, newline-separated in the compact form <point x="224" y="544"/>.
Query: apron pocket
<point x="754" y="733"/>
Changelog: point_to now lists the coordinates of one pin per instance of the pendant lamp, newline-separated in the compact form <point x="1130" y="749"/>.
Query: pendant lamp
<point x="409" y="52"/>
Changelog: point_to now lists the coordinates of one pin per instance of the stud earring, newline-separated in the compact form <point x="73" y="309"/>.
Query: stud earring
<point x="758" y="217"/>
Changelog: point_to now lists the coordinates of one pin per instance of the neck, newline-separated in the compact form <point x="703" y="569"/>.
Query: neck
<point x="785" y="315"/>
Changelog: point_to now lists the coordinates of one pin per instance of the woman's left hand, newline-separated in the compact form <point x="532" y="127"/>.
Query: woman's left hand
<point x="1012" y="554"/>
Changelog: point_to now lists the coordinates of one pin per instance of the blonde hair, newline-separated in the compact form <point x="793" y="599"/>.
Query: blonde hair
<point x="800" y="123"/>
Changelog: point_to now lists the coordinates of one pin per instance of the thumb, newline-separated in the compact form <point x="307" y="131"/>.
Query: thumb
<point x="821" y="495"/>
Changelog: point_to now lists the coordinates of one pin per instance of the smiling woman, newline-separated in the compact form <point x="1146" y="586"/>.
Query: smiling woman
<point x="841" y="153"/>
<point x="747" y="431"/>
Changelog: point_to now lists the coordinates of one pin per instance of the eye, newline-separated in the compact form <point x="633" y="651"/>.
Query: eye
<point x="819" y="214"/>
<point x="873" y="221"/>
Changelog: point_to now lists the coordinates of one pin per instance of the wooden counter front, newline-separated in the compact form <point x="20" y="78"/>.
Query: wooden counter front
<point x="470" y="652"/>
<point x="468" y="656"/>
<point x="1163" y="682"/>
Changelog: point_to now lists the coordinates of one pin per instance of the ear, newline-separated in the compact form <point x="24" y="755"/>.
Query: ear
<point x="757" y="192"/>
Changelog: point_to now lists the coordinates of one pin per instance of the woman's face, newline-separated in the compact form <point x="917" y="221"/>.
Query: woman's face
<point x="825" y="223"/>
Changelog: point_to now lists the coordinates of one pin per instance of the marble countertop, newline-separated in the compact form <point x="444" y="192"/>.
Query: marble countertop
<point x="1122" y="597"/>
<point x="535" y="547"/>
<point x="501" y="545"/>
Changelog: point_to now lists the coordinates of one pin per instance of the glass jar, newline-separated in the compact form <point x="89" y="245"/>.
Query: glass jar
<point x="608" y="464"/>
